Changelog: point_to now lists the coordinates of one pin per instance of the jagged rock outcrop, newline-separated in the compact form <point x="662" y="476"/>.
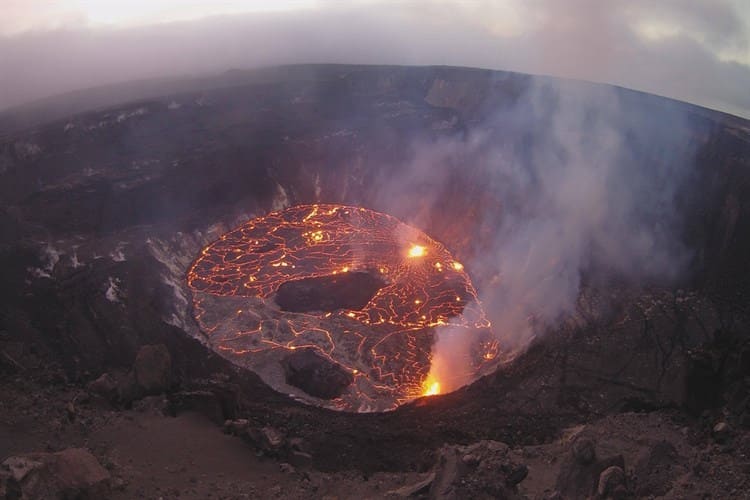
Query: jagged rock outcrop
<point x="72" y="473"/>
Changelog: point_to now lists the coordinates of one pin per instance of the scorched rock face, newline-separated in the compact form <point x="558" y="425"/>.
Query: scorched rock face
<point x="337" y="305"/>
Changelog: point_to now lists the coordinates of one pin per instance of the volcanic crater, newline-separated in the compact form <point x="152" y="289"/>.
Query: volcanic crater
<point x="107" y="210"/>
<point x="359" y="292"/>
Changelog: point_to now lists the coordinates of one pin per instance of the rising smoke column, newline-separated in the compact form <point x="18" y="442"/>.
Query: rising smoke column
<point x="576" y="200"/>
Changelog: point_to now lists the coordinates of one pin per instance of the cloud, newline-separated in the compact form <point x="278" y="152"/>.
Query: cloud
<point x="690" y="50"/>
<point x="717" y="22"/>
<point x="20" y="16"/>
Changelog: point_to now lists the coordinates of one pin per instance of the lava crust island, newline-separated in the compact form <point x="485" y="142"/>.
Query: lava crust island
<point x="337" y="305"/>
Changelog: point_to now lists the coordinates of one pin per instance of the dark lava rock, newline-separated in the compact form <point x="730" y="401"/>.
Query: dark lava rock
<point x="516" y="474"/>
<point x="236" y="427"/>
<point x="579" y="477"/>
<point x="329" y="293"/>
<point x="411" y="490"/>
<point x="271" y="442"/>
<point x="267" y="439"/>
<point x="481" y="470"/>
<point x="205" y="402"/>
<point x="654" y="470"/>
<point x="104" y="386"/>
<point x="155" y="405"/>
<point x="153" y="368"/>
<point x="71" y="473"/>
<point x="584" y="451"/>
<point x="128" y="389"/>
<point x="721" y="432"/>
<point x="315" y="375"/>
<point x="612" y="483"/>
<point x="115" y="388"/>
<point x="703" y="382"/>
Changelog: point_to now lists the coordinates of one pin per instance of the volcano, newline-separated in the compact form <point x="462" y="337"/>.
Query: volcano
<point x="263" y="247"/>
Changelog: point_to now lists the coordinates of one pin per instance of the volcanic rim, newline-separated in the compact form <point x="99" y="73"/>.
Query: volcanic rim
<point x="385" y="345"/>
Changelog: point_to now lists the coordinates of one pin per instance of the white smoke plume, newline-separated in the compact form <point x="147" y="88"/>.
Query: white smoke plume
<point x="575" y="200"/>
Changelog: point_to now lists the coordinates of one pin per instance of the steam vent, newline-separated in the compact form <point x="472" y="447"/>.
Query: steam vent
<point x="337" y="305"/>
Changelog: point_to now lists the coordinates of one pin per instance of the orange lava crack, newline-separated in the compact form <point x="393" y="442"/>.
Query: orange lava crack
<point x="425" y="287"/>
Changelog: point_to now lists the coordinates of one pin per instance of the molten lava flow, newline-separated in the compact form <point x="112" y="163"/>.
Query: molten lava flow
<point x="385" y="345"/>
<point x="417" y="251"/>
<point x="430" y="386"/>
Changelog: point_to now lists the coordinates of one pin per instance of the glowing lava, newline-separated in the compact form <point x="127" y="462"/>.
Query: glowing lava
<point x="417" y="251"/>
<point x="385" y="345"/>
<point x="430" y="386"/>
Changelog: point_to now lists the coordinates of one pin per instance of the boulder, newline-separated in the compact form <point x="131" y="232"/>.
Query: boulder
<point x="236" y="427"/>
<point x="287" y="468"/>
<point x="515" y="474"/>
<point x="654" y="470"/>
<point x="153" y="369"/>
<point x="481" y="470"/>
<point x="154" y="405"/>
<point x="128" y="389"/>
<point x="72" y="473"/>
<point x="612" y="483"/>
<point x="721" y="432"/>
<point x="584" y="451"/>
<point x="271" y="442"/>
<point x="268" y="440"/>
<point x="415" y="489"/>
<point x="580" y="470"/>
<point x="105" y="386"/>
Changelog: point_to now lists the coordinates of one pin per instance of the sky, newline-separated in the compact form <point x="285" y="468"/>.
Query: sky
<point x="692" y="50"/>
